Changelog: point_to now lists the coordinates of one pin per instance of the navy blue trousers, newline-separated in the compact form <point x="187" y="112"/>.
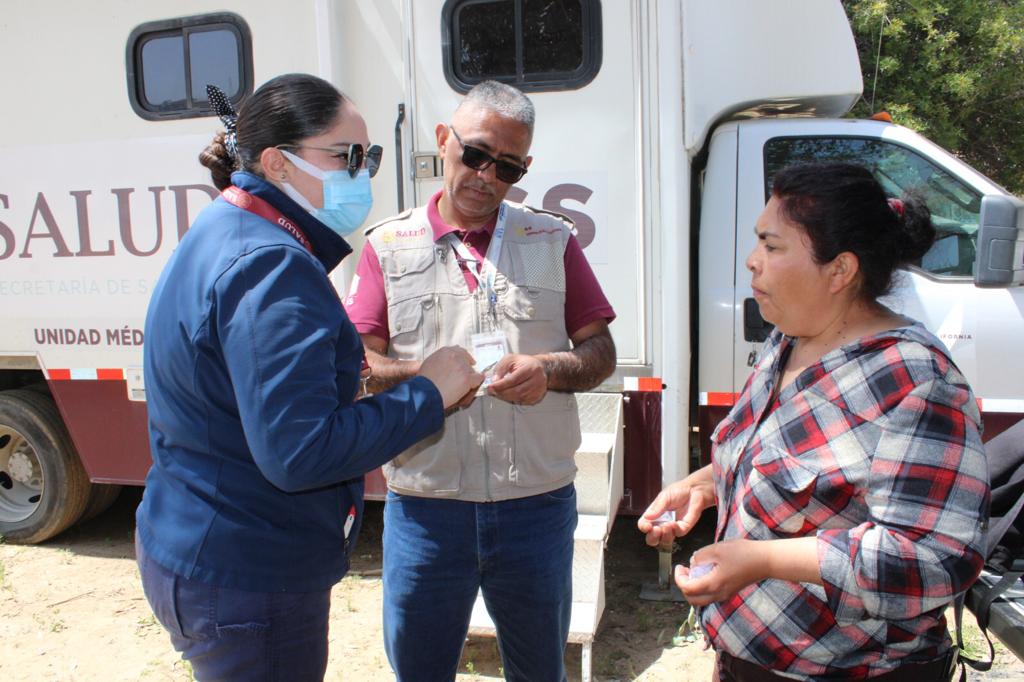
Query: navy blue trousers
<point x="228" y="634"/>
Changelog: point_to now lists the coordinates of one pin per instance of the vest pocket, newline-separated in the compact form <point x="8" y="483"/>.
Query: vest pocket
<point x="405" y="272"/>
<point x="411" y="325"/>
<point x="546" y="437"/>
<point x="525" y="305"/>
<point x="534" y="320"/>
<point x="431" y="465"/>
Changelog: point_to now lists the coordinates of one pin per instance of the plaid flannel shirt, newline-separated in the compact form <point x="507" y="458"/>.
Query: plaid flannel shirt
<point x="876" y="451"/>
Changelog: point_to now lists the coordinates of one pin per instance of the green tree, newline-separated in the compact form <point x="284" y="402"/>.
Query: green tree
<point x="951" y="69"/>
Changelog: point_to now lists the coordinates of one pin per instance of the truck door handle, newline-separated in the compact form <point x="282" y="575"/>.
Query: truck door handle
<point x="755" y="328"/>
<point x="398" y="157"/>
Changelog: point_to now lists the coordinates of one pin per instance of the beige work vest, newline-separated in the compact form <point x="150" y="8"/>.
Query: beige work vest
<point x="492" y="450"/>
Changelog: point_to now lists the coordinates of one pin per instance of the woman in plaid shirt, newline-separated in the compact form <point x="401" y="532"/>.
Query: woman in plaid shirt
<point x="850" y="479"/>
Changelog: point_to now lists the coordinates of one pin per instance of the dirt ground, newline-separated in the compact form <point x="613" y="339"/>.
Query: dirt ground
<point x="73" y="610"/>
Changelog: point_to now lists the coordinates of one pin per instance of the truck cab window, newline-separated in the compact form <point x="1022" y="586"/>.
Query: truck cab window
<point x="536" y="45"/>
<point x="955" y="207"/>
<point x="169" y="64"/>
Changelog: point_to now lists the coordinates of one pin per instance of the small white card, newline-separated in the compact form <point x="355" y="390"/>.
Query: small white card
<point x="666" y="517"/>
<point x="488" y="349"/>
<point x="700" y="570"/>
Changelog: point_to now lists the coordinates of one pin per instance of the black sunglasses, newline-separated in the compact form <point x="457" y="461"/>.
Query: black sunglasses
<point x="353" y="158"/>
<point x="478" y="160"/>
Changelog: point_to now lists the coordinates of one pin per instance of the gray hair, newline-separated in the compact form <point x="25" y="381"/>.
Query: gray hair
<point x="502" y="99"/>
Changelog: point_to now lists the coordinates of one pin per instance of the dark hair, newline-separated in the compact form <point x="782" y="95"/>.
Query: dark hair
<point x="841" y="207"/>
<point x="284" y="110"/>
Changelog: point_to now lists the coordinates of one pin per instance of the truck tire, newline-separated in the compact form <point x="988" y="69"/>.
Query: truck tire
<point x="43" y="486"/>
<point x="101" y="497"/>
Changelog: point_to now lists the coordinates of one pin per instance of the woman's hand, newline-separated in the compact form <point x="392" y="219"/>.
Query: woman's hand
<point x="685" y="500"/>
<point x="738" y="563"/>
<point x="451" y="370"/>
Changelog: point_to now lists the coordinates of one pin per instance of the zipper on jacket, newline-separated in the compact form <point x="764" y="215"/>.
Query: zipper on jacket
<point x="487" y="459"/>
<point x="437" y="321"/>
<point x="483" y="410"/>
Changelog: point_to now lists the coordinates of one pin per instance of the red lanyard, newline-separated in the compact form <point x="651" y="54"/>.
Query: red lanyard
<point x="252" y="203"/>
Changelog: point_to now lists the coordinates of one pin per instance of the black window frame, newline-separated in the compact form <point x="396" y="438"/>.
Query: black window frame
<point x="184" y="26"/>
<point x="565" y="80"/>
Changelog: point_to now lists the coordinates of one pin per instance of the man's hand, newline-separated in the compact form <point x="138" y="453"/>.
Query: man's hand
<point x="385" y="372"/>
<point x="520" y="379"/>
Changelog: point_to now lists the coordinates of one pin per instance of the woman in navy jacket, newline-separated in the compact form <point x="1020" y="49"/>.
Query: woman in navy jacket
<point x="252" y="372"/>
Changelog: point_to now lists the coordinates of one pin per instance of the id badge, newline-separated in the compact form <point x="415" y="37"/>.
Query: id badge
<point x="488" y="349"/>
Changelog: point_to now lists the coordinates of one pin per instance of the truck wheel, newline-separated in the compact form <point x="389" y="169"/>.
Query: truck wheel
<point x="100" y="498"/>
<point x="43" y="486"/>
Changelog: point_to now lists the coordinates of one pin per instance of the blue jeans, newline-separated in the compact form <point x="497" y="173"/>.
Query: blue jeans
<point x="439" y="553"/>
<point x="229" y="634"/>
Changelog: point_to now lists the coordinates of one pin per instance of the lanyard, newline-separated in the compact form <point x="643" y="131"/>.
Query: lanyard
<point x="488" y="271"/>
<point x="253" y="204"/>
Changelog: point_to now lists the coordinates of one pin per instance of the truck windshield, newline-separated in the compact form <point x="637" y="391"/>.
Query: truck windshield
<point x="955" y="207"/>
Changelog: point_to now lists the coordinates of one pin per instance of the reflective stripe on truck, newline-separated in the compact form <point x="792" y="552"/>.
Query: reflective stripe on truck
<point x="78" y="373"/>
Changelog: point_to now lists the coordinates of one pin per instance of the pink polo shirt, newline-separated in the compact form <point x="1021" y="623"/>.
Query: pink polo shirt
<point x="367" y="306"/>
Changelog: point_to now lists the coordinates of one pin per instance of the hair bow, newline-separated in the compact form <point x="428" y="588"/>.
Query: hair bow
<point x="229" y="117"/>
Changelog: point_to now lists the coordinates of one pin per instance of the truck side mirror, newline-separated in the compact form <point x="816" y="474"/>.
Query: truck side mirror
<point x="755" y="328"/>
<point x="1000" y="250"/>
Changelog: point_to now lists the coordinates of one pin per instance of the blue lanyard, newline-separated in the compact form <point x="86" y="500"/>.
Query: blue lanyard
<point x="489" y="269"/>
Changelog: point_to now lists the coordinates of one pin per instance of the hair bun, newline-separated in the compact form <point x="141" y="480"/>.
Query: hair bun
<point x="915" y="233"/>
<point x="217" y="158"/>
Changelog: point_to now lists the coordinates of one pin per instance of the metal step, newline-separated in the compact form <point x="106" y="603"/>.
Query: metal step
<point x="598" y="492"/>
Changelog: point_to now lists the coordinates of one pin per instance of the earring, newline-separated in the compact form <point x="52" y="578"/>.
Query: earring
<point x="283" y="177"/>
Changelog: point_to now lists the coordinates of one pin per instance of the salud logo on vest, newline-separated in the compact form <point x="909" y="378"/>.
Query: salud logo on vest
<point x="390" y="236"/>
<point x="530" y="231"/>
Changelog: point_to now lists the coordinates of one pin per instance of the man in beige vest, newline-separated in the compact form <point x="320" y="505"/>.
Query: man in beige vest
<point x="487" y="504"/>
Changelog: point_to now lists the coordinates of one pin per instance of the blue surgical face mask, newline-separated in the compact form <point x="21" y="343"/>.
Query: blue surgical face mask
<point x="347" y="200"/>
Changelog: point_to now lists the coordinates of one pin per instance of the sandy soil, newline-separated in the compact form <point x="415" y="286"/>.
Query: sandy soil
<point x="72" y="609"/>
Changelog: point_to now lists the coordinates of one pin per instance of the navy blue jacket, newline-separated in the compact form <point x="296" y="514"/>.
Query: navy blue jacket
<point x="251" y="373"/>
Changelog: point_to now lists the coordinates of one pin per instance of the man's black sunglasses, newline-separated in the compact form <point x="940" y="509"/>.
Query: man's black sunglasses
<point x="478" y="160"/>
<point x="353" y="157"/>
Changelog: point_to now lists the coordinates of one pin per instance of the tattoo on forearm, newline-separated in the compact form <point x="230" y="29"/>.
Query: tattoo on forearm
<point x="584" y="367"/>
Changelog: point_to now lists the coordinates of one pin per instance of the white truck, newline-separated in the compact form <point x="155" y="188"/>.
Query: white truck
<point x="659" y="125"/>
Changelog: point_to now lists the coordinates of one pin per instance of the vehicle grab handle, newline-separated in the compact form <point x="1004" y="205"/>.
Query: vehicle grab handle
<point x="398" y="156"/>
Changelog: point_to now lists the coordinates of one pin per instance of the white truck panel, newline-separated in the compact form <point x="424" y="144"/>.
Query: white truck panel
<point x="70" y="268"/>
<point x="764" y="58"/>
<point x="671" y="185"/>
<point x="76" y="88"/>
<point x="366" y="51"/>
<point x="716" y="322"/>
